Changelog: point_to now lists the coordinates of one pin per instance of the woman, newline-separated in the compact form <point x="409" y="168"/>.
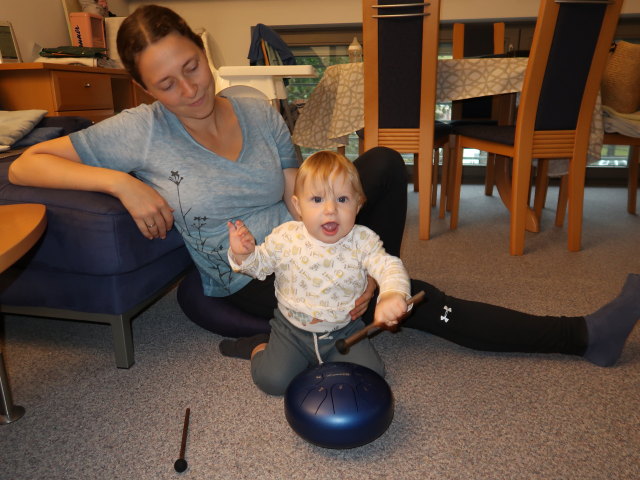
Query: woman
<point x="200" y="160"/>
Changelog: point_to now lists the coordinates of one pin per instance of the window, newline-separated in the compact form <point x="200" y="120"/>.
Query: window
<point x="320" y="46"/>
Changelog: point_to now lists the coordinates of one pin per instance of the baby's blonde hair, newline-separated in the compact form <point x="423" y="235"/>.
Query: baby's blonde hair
<point x="325" y="165"/>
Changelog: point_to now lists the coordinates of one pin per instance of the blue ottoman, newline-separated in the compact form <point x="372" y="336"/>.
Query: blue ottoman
<point x="92" y="263"/>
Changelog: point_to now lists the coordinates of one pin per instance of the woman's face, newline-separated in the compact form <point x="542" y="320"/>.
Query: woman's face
<point x="175" y="72"/>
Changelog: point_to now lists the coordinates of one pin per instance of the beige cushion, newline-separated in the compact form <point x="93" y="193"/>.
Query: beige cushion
<point x="621" y="79"/>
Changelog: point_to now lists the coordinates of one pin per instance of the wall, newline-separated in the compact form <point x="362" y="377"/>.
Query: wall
<point x="231" y="38"/>
<point x="42" y="23"/>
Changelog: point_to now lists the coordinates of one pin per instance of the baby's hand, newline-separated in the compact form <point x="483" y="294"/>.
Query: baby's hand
<point x="390" y="310"/>
<point x="241" y="240"/>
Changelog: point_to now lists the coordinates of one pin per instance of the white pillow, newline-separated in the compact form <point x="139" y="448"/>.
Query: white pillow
<point x="16" y="124"/>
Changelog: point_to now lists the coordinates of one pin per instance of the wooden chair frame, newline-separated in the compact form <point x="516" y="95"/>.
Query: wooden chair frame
<point x="458" y="39"/>
<point x="531" y="143"/>
<point x="633" y="164"/>
<point x="448" y="168"/>
<point x="542" y="180"/>
<point x="419" y="140"/>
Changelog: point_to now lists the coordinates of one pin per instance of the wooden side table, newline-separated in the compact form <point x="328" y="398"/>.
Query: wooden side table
<point x="21" y="226"/>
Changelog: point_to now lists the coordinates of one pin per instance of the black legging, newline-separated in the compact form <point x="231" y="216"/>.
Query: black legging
<point x="472" y="324"/>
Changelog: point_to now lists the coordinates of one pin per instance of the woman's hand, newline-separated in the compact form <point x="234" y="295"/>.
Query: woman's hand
<point x="56" y="164"/>
<point x="150" y="211"/>
<point x="362" y="303"/>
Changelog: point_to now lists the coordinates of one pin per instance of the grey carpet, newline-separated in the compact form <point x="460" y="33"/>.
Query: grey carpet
<point x="459" y="414"/>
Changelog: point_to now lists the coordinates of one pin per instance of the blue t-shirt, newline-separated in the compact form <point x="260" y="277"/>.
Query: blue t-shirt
<point x="204" y="189"/>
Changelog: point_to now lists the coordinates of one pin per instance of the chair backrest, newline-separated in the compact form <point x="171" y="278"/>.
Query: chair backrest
<point x="474" y="40"/>
<point x="207" y="50"/>
<point x="477" y="39"/>
<point x="400" y="49"/>
<point x="568" y="56"/>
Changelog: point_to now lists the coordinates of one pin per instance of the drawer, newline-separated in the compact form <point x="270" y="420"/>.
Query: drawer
<point x="81" y="91"/>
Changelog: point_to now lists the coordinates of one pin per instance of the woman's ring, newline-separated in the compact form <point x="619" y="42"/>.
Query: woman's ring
<point x="150" y="226"/>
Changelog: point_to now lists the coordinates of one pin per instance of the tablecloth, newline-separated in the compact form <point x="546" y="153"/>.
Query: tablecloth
<point x="335" y="108"/>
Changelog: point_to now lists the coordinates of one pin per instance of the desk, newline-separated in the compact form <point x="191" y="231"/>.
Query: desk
<point x="20" y="228"/>
<point x="335" y="108"/>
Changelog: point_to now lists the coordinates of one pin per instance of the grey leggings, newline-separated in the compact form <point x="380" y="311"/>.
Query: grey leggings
<point x="292" y="350"/>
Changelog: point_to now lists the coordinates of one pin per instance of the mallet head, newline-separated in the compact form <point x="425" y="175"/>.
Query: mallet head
<point x="180" y="465"/>
<point x="341" y="346"/>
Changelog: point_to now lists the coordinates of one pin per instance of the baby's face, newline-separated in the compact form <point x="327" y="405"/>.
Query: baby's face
<point x="328" y="211"/>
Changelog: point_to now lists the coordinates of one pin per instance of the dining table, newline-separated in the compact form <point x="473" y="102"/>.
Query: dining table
<point x="335" y="108"/>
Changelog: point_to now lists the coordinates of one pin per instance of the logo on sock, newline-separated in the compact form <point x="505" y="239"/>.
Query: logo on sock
<point x="447" y="311"/>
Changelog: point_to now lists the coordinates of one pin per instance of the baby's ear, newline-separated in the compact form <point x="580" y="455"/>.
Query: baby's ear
<point x="296" y="204"/>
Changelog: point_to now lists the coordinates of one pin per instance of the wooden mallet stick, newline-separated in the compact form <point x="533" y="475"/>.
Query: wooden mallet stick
<point x="180" y="464"/>
<point x="343" y="344"/>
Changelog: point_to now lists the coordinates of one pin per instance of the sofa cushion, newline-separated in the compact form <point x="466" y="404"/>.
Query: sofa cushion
<point x="68" y="124"/>
<point x="87" y="232"/>
<point x="28" y="286"/>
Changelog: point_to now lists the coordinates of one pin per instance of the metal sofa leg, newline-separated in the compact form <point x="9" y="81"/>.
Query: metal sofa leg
<point x="122" y="340"/>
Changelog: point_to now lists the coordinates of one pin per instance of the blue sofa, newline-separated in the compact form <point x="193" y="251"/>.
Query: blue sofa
<point x="92" y="263"/>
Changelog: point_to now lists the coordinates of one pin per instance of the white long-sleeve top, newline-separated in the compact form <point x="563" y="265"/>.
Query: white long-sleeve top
<point x="318" y="283"/>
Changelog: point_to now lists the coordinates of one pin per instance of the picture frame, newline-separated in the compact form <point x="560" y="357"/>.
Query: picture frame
<point x="9" y="51"/>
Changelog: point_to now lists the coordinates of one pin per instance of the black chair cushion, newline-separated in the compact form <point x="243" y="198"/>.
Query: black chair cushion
<point x="492" y="133"/>
<point x="460" y="123"/>
<point x="441" y="130"/>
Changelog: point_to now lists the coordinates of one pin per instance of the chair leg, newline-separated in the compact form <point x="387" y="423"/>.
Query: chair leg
<point x="288" y="117"/>
<point x="424" y="197"/>
<point x="456" y="185"/>
<point x="434" y="176"/>
<point x="577" y="171"/>
<point x="489" y="176"/>
<point x="563" y="199"/>
<point x="445" y="181"/>
<point x="416" y="173"/>
<point x="542" y="184"/>
<point x="451" y="178"/>
<point x="521" y="181"/>
<point x="632" y="193"/>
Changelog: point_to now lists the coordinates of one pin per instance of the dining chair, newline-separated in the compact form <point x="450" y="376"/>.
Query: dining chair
<point x="473" y="40"/>
<point x="633" y="166"/>
<point x="568" y="54"/>
<point x="400" y="47"/>
<point x="476" y="40"/>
